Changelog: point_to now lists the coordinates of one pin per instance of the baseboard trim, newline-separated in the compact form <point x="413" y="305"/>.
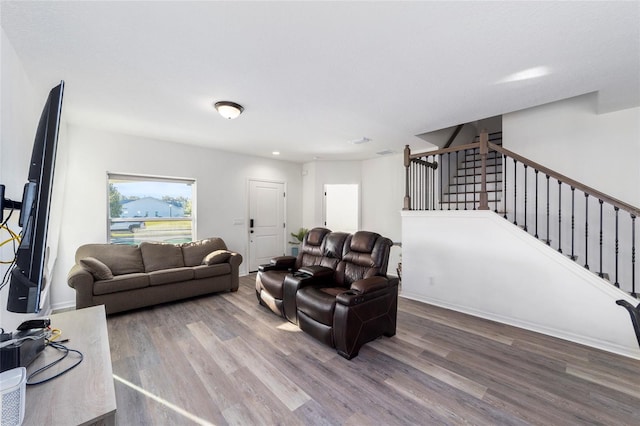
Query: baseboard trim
<point x="560" y="334"/>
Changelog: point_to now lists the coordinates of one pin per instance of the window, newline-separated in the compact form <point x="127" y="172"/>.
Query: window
<point x="147" y="208"/>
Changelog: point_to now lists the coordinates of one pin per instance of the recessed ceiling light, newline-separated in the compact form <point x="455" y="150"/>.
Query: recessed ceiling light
<point x="527" y="74"/>
<point x="276" y="153"/>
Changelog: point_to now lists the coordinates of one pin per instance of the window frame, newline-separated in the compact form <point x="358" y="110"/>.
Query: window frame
<point x="114" y="176"/>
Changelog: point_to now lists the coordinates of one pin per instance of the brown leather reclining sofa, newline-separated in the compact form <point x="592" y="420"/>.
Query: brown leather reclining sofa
<point x="336" y="289"/>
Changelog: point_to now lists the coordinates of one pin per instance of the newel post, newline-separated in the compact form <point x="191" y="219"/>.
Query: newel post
<point x="484" y="151"/>
<point x="407" y="163"/>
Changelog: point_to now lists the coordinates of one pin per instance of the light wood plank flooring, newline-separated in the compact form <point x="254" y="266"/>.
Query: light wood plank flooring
<point x="223" y="359"/>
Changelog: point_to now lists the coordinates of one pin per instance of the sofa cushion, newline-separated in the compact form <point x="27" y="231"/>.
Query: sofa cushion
<point x="272" y="282"/>
<point x="121" y="283"/>
<point x="318" y="303"/>
<point x="99" y="270"/>
<point x="194" y="252"/>
<point x="120" y="258"/>
<point x="157" y="256"/>
<point x="206" y="271"/>
<point x="167" y="276"/>
<point x="215" y="257"/>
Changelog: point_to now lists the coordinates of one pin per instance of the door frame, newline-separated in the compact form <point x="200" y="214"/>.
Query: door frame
<point x="248" y="216"/>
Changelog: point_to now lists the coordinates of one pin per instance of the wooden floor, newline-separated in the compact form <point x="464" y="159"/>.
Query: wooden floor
<point x="223" y="359"/>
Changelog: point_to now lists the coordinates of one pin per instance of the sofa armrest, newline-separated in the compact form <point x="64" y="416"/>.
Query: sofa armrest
<point x="371" y="284"/>
<point x="317" y="271"/>
<point x="364" y="290"/>
<point x="82" y="281"/>
<point x="294" y="282"/>
<point x="235" y="260"/>
<point x="280" y="263"/>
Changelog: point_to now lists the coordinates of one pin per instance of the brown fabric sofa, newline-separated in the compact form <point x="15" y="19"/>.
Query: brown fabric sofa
<point x="124" y="277"/>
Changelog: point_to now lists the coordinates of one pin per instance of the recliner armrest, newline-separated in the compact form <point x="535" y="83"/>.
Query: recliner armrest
<point x="280" y="263"/>
<point x="317" y="271"/>
<point x="364" y="290"/>
<point x="371" y="284"/>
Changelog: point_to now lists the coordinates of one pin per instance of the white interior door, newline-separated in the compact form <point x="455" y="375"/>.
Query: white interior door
<point x="342" y="207"/>
<point x="266" y="222"/>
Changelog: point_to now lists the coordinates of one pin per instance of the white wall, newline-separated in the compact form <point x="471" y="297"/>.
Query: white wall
<point x="20" y="109"/>
<point x="382" y="199"/>
<point x="221" y="188"/>
<point x="531" y="287"/>
<point x="570" y="137"/>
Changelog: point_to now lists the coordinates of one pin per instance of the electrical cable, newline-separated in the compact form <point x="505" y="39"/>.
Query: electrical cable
<point x="14" y="238"/>
<point x="66" y="351"/>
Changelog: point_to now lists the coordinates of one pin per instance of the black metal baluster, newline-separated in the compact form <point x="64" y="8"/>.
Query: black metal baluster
<point x="515" y="192"/>
<point x="548" y="239"/>
<point x="573" y="222"/>
<point x="617" y="284"/>
<point x="474" y="180"/>
<point x="536" y="209"/>
<point x="601" y="274"/>
<point x="433" y="184"/>
<point x="441" y="183"/>
<point x="504" y="196"/>
<point x="421" y="181"/>
<point x="525" y="197"/>
<point x="633" y="255"/>
<point x="450" y="177"/>
<point x="559" y="217"/>
<point x="495" y="183"/>
<point x="415" y="184"/>
<point x="458" y="186"/>
<point x="464" y="187"/>
<point x="429" y="184"/>
<point x="586" y="230"/>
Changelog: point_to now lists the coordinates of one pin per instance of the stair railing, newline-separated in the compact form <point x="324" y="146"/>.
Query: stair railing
<point x="575" y="219"/>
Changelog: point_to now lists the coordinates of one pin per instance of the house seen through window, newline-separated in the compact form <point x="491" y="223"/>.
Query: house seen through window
<point x="144" y="208"/>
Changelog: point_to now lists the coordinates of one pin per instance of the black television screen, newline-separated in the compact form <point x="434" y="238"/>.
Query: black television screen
<point x="28" y="276"/>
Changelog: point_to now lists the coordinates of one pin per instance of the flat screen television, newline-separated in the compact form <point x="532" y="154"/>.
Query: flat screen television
<point x="28" y="276"/>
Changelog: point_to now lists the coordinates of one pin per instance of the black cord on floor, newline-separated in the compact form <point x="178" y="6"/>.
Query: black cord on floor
<point x="66" y="351"/>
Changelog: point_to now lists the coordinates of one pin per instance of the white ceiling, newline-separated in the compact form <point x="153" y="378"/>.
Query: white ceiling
<point x="313" y="76"/>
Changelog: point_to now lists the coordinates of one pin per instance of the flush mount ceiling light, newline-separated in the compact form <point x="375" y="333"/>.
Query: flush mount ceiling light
<point x="228" y="110"/>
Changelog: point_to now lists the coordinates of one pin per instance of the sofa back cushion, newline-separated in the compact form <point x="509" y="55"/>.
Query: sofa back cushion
<point x="194" y="252"/>
<point x="311" y="249"/>
<point x="121" y="259"/>
<point x="157" y="256"/>
<point x="366" y="254"/>
<point x="333" y="249"/>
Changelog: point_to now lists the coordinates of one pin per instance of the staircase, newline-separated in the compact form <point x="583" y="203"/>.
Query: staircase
<point x="570" y="217"/>
<point x="463" y="191"/>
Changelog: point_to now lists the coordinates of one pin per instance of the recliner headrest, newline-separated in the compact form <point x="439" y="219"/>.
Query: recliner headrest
<point x="363" y="241"/>
<point x="316" y="235"/>
<point x="334" y="244"/>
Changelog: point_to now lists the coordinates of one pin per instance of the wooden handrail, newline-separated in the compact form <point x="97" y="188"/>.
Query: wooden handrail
<point x="573" y="183"/>
<point x="558" y="176"/>
<point x="445" y="150"/>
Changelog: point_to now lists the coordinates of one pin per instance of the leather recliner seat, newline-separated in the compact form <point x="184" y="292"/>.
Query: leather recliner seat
<point x="357" y="303"/>
<point x="270" y="278"/>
